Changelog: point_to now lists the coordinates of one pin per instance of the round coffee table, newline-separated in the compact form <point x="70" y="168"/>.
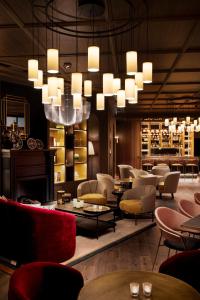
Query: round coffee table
<point x="116" y="286"/>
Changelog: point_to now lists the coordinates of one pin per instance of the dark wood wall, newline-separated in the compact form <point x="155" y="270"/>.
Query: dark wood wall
<point x="128" y="150"/>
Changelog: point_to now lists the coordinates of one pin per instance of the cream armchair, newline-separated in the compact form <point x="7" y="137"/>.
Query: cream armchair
<point x="92" y="191"/>
<point x="169" y="183"/>
<point x="107" y="182"/>
<point x="160" y="170"/>
<point x="139" y="200"/>
<point x="146" y="180"/>
<point x="137" y="172"/>
<point x="124" y="171"/>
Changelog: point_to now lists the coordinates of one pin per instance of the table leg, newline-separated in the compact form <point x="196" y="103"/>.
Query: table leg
<point x="97" y="228"/>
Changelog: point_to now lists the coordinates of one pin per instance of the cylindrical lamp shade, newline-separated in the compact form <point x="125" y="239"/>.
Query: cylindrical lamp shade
<point x="134" y="100"/>
<point x="87" y="88"/>
<point x="52" y="87"/>
<point x="45" y="98"/>
<point x="100" y="102"/>
<point x="121" y="99"/>
<point x="76" y="83"/>
<point x="166" y="122"/>
<point x="52" y="61"/>
<point x="139" y="81"/>
<point x="77" y="101"/>
<point x="32" y="69"/>
<point x="57" y="101"/>
<point x="61" y="85"/>
<point x="108" y="84"/>
<point x="195" y="122"/>
<point x="199" y="120"/>
<point x="116" y="85"/>
<point x="93" y="59"/>
<point x="39" y="82"/>
<point x="130" y="88"/>
<point x="188" y="120"/>
<point x="175" y="120"/>
<point x="147" y="69"/>
<point x="131" y="62"/>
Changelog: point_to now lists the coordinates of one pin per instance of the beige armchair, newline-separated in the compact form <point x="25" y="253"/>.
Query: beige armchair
<point x="169" y="183"/>
<point x="139" y="200"/>
<point x="145" y="180"/>
<point x="107" y="182"/>
<point x="160" y="170"/>
<point x="124" y="171"/>
<point x="137" y="172"/>
<point x="92" y="191"/>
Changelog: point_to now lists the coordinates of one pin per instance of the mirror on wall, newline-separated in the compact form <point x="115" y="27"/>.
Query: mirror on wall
<point x="15" y="115"/>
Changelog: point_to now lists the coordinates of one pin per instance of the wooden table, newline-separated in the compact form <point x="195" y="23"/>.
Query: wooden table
<point x="192" y="224"/>
<point x="115" y="286"/>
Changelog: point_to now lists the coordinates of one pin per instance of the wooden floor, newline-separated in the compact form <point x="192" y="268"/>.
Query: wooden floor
<point x="136" y="253"/>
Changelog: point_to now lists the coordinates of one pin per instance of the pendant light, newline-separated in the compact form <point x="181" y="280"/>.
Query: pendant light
<point x="139" y="81"/>
<point x="61" y="85"/>
<point x="166" y="122"/>
<point x="100" y="101"/>
<point x="116" y="85"/>
<point x="77" y="101"/>
<point x="131" y="62"/>
<point x="52" y="61"/>
<point x="135" y="99"/>
<point x="87" y="88"/>
<point x="187" y="120"/>
<point x="195" y="122"/>
<point x="57" y="100"/>
<point x="32" y="69"/>
<point x="130" y="88"/>
<point x="39" y="82"/>
<point x="121" y="100"/>
<point x="45" y="98"/>
<point x="76" y="83"/>
<point x="108" y="84"/>
<point x="52" y="87"/>
<point x="175" y="120"/>
<point x="93" y="59"/>
<point x="147" y="69"/>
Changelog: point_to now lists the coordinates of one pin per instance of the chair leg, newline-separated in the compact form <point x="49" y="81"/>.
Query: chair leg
<point x="152" y="216"/>
<point x="160" y="195"/>
<point x="168" y="254"/>
<point x="172" y="195"/>
<point x="157" y="251"/>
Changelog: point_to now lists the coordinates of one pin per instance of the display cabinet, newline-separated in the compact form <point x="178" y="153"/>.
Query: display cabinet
<point x="156" y="136"/>
<point x="70" y="145"/>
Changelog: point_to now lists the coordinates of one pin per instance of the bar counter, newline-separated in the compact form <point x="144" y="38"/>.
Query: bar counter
<point x="172" y="160"/>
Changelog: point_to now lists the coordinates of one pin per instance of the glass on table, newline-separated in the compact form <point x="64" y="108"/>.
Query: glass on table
<point x="134" y="289"/>
<point x="147" y="288"/>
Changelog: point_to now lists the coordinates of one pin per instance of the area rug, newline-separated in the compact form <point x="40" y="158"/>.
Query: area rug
<point x="89" y="246"/>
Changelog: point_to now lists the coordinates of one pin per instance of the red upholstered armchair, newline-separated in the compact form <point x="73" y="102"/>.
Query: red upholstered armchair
<point x="45" y="281"/>
<point x="184" y="266"/>
<point x="35" y="234"/>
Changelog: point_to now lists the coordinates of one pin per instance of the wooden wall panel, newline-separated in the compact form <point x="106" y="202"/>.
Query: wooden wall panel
<point x="128" y="147"/>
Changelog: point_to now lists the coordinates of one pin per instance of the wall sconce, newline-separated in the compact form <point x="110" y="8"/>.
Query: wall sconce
<point x="90" y="148"/>
<point x="116" y="139"/>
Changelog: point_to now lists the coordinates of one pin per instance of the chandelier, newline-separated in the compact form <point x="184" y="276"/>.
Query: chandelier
<point x="179" y="126"/>
<point x="55" y="101"/>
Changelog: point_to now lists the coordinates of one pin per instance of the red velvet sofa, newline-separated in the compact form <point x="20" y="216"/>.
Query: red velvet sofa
<point x="30" y="234"/>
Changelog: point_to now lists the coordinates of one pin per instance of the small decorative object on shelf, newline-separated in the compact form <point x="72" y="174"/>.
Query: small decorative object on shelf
<point x="18" y="145"/>
<point x="40" y="144"/>
<point x="31" y="143"/>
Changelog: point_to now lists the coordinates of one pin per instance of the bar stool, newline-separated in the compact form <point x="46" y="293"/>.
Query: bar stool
<point x="177" y="166"/>
<point x="147" y="166"/>
<point x="191" y="166"/>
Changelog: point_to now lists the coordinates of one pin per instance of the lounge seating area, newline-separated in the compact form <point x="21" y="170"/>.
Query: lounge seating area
<point x="99" y="150"/>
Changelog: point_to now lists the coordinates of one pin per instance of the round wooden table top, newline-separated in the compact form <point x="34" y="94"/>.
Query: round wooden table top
<point x="115" y="286"/>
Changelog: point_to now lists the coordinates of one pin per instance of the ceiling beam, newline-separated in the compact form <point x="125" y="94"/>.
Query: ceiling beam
<point x="177" y="59"/>
<point x="98" y="22"/>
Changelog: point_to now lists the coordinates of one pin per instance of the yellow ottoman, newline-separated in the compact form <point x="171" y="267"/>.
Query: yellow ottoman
<point x="93" y="198"/>
<point x="131" y="206"/>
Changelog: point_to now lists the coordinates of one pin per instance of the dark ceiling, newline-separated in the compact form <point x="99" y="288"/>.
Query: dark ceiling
<point x="173" y="46"/>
